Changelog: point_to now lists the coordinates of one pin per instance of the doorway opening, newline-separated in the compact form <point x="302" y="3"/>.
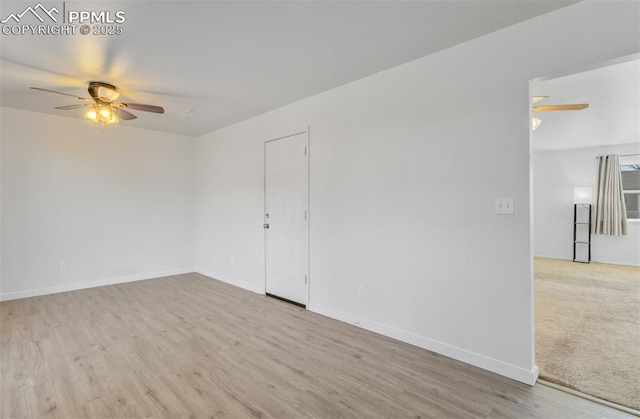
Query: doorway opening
<point x="586" y="315"/>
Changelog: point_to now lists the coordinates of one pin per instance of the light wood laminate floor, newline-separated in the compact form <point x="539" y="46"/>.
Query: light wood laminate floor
<point x="189" y="346"/>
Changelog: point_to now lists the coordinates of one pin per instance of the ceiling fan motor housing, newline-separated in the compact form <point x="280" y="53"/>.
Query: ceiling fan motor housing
<point x="104" y="92"/>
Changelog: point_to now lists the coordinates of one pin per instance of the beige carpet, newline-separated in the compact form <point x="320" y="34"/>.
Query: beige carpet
<point x="588" y="328"/>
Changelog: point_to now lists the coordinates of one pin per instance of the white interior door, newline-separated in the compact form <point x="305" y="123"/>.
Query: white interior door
<point x="286" y="217"/>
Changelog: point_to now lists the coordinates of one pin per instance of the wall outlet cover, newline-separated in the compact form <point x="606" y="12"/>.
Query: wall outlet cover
<point x="504" y="206"/>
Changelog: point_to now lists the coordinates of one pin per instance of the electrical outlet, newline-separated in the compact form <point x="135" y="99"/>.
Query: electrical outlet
<point x="504" y="206"/>
<point x="361" y="290"/>
<point x="64" y="265"/>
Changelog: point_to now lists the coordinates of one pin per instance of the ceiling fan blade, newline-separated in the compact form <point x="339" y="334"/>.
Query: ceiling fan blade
<point x="574" y="107"/>
<point x="122" y="114"/>
<point x="60" y="93"/>
<point x="142" y="107"/>
<point x="67" y="107"/>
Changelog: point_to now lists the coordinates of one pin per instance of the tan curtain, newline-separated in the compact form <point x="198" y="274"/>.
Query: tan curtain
<point x="610" y="212"/>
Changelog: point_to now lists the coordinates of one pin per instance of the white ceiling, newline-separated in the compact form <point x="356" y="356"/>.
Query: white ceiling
<point x="613" y="115"/>
<point x="211" y="64"/>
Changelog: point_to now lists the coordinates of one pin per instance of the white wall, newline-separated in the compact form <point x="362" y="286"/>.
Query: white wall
<point x="117" y="203"/>
<point x="555" y="174"/>
<point x="440" y="270"/>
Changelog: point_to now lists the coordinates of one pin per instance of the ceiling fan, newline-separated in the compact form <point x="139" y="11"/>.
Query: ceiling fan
<point x="102" y="105"/>
<point x="535" y="122"/>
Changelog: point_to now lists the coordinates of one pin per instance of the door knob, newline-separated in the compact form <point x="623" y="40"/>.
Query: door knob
<point x="265" y="226"/>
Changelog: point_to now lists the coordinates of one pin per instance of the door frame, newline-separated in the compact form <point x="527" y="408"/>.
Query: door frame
<point x="264" y="207"/>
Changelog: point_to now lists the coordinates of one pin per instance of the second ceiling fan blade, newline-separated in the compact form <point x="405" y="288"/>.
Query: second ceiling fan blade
<point x="573" y="107"/>
<point x="67" y="107"/>
<point x="143" y="107"/>
<point x="60" y="93"/>
<point x="122" y="114"/>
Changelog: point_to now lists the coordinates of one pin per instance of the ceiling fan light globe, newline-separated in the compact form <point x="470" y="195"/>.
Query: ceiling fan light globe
<point x="91" y="114"/>
<point x="105" y="114"/>
<point x="114" y="119"/>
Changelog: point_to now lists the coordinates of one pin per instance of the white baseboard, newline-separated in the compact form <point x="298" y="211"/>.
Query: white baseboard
<point x="512" y="371"/>
<point x="250" y="286"/>
<point x="91" y="284"/>
<point x="534" y="375"/>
